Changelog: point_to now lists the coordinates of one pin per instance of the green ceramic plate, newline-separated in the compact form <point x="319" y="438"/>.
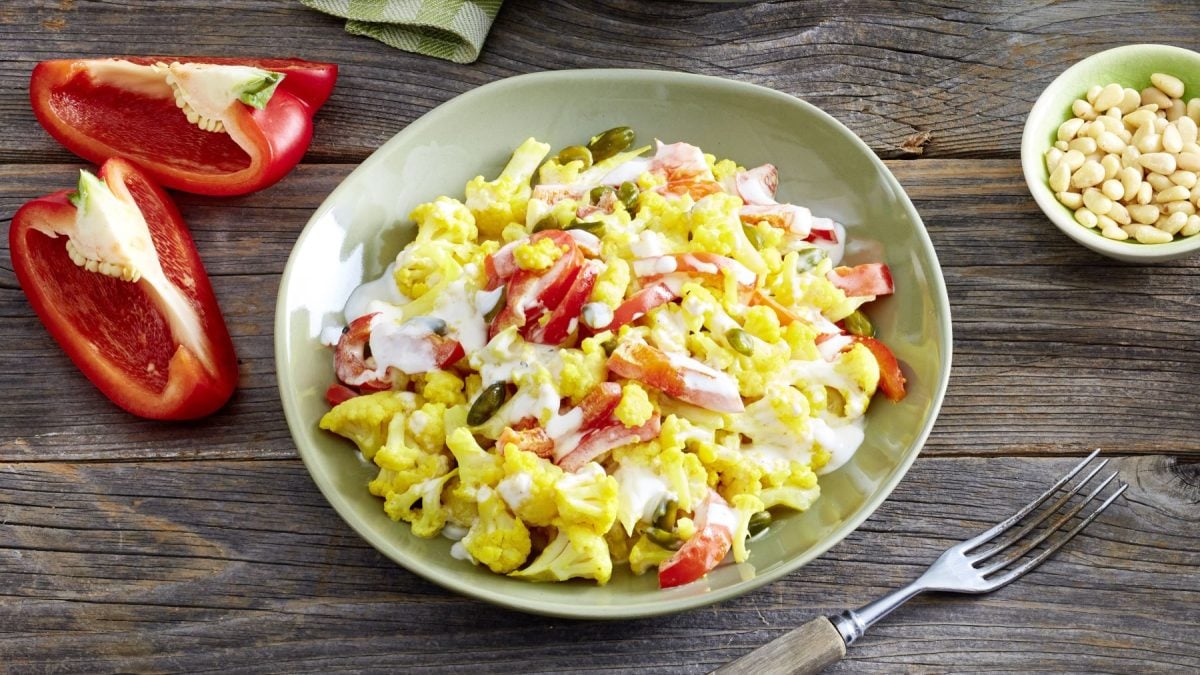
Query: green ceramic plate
<point x="363" y="224"/>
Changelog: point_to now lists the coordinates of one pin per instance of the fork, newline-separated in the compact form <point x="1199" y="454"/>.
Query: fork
<point x="976" y="565"/>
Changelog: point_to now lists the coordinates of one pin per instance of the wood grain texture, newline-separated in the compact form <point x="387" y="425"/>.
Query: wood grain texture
<point x="1056" y="349"/>
<point x="208" y="565"/>
<point x="965" y="73"/>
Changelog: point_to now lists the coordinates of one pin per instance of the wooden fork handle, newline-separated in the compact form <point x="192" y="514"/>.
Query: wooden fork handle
<point x="808" y="649"/>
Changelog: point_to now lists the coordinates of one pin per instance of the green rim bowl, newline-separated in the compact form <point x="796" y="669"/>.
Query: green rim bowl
<point x="1130" y="66"/>
<point x="362" y="225"/>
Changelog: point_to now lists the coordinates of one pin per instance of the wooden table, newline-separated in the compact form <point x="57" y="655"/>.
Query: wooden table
<point x="128" y="545"/>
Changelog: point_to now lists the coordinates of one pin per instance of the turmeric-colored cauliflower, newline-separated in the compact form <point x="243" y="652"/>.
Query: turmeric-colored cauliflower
<point x="497" y="539"/>
<point x="445" y="219"/>
<point x="578" y="552"/>
<point x="587" y="498"/>
<point x="443" y="386"/>
<point x="364" y="419"/>
<point x="502" y="201"/>
<point x="646" y="555"/>
<point x="529" y="486"/>
<point x="745" y="506"/>
<point x="476" y="467"/>
<point x="583" y="369"/>
<point x="430" y="517"/>
<point x="538" y="255"/>
<point x="635" y="408"/>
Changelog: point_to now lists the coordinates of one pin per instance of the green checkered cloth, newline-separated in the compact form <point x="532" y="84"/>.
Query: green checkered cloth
<point x="447" y="29"/>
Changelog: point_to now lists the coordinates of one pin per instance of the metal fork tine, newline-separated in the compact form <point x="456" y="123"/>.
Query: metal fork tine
<point x="990" y="534"/>
<point x="1009" y="540"/>
<point x="1009" y="557"/>
<point x="1012" y="575"/>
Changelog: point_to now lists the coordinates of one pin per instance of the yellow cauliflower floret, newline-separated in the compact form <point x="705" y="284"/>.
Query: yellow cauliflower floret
<point x="576" y="553"/>
<point x="685" y="529"/>
<point x="646" y="555"/>
<point x="794" y="288"/>
<point x="476" y="467"/>
<point x="762" y="323"/>
<point x="460" y="504"/>
<point x="678" y="432"/>
<point x="860" y="365"/>
<point x="443" y="386"/>
<point x="635" y="408"/>
<point x="588" y="498"/>
<point x="723" y="169"/>
<point x="798" y="492"/>
<point x="683" y="471"/>
<point x="745" y="506"/>
<point x="364" y="419"/>
<point x="445" y="219"/>
<point x="612" y="283"/>
<point x="584" y="368"/>
<point x="427" y="427"/>
<point x="756" y="372"/>
<point x="716" y="228"/>
<point x="424" y="267"/>
<point x="553" y="173"/>
<point x="802" y="339"/>
<point x="497" y="539"/>
<point x="513" y="232"/>
<point x="502" y="201"/>
<point x="534" y="479"/>
<point x="669" y="217"/>
<point x="735" y="474"/>
<point x="428" y="520"/>
<point x="401" y="464"/>
<point x="537" y="256"/>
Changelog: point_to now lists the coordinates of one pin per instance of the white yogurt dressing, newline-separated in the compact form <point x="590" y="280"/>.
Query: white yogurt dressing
<point x="830" y="348"/>
<point x="649" y="244"/>
<point x="459" y="552"/>
<point x="380" y="294"/>
<point x="723" y="516"/>
<point x="507" y="357"/>
<point x="516" y="489"/>
<point x="841" y="441"/>
<point x="401" y="346"/>
<point x="639" y="492"/>
<point x="464" y="322"/>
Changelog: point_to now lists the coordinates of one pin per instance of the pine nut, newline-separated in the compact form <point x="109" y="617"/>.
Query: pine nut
<point x="1091" y="173"/>
<point x="1071" y="200"/>
<point x="1157" y="97"/>
<point x="1086" y="218"/>
<point x="1083" y="109"/>
<point x="1149" y="143"/>
<point x="1175" y="222"/>
<point x="1060" y="178"/>
<point x="1150" y="235"/>
<point x="1145" y="193"/>
<point x="1185" y="178"/>
<point x="1119" y="213"/>
<point x="1096" y="202"/>
<point x="1181" y="206"/>
<point x="1067" y="131"/>
<point x="1171" y="140"/>
<point x="1158" y="162"/>
<point x="1187" y="129"/>
<point x="1188" y="161"/>
<point x="1112" y="165"/>
<point x="1092" y="92"/>
<point x="1130" y="101"/>
<point x="1158" y="181"/>
<point x="1115" y="232"/>
<point x="1138" y="119"/>
<point x="1108" y="97"/>
<point x="1193" y="110"/>
<point x="1112" y="188"/>
<point x="1192" y="227"/>
<point x="1110" y="142"/>
<point x="1061" y="145"/>
<point x="1144" y="214"/>
<point x="1175" y="111"/>
<point x="1073" y="159"/>
<point x="1085" y="145"/>
<point x="1130" y="178"/>
<point x="1172" y="194"/>
<point x="1130" y="157"/>
<point x="1168" y="84"/>
<point x="1053" y="157"/>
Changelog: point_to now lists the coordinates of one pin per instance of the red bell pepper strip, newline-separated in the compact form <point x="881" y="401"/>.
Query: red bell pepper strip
<point x="677" y="376"/>
<point x="860" y="280"/>
<point x="657" y="293"/>
<point x="351" y="363"/>
<point x="122" y="107"/>
<point x="705" y="549"/>
<point x="530" y="293"/>
<point x="565" y="318"/>
<point x="891" y="378"/>
<point x="613" y="435"/>
<point x="157" y="345"/>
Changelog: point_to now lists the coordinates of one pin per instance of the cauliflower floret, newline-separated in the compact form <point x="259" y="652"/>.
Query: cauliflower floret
<point x="723" y="169"/>
<point x="497" y="539"/>
<point x="802" y="339"/>
<point x="683" y="471"/>
<point x="762" y="323"/>
<point x="553" y="173"/>
<point x="428" y="520"/>
<point x="427" y="427"/>
<point x="745" y="506"/>
<point x="669" y="215"/>
<point x="442" y="386"/>
<point x="583" y="369"/>
<point x="401" y="465"/>
<point x="460" y="504"/>
<point x="537" y="256"/>
<point x="734" y="474"/>
<point x="576" y="553"/>
<point x="717" y="228"/>
<point x="425" y="266"/>
<point x="858" y="364"/>
<point x="764" y="366"/>
<point x="529" y="486"/>
<point x="502" y="201"/>
<point x="477" y="467"/>
<point x="612" y="283"/>
<point x="587" y="498"/>
<point x="364" y="419"/>
<point x="445" y="219"/>
<point x="635" y="408"/>
<point x="797" y="492"/>
<point x="793" y="288"/>
<point x="646" y="554"/>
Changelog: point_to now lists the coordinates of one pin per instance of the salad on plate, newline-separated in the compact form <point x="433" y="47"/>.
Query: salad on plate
<point x="617" y="355"/>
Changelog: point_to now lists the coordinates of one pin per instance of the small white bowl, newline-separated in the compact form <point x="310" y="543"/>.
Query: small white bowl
<point x="1130" y="66"/>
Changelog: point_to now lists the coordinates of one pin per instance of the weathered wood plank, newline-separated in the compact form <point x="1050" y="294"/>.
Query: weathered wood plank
<point x="966" y="73"/>
<point x="215" y="564"/>
<point x="1056" y="348"/>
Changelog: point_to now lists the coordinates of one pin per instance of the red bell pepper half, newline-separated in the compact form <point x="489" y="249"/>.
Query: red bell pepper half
<point x="128" y="300"/>
<point x="213" y="126"/>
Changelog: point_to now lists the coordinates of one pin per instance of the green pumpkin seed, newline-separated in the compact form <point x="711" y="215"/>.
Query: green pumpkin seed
<point x="741" y="341"/>
<point x="663" y="538"/>
<point x="759" y="522"/>
<point x="610" y="346"/>
<point x="809" y="258"/>
<point x="593" y="226"/>
<point x="628" y="194"/>
<point x="609" y="143"/>
<point x="596" y="315"/>
<point x="666" y="514"/>
<point x="546" y="223"/>
<point x="575" y="152"/>
<point x="860" y="324"/>
<point x="597" y="193"/>
<point x="487" y="403"/>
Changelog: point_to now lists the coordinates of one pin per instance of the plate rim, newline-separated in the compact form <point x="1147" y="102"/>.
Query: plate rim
<point x="650" y="608"/>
